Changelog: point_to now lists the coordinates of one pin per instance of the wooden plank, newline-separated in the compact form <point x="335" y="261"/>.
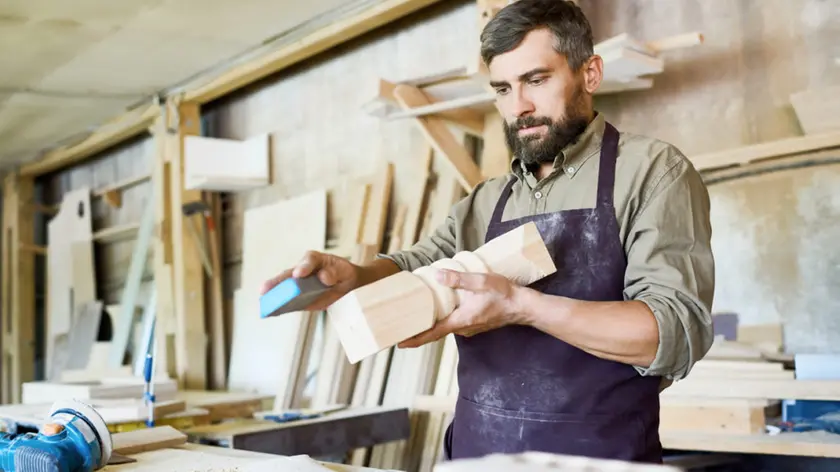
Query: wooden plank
<point x="18" y="288"/>
<point x="769" y="150"/>
<point x="162" y="250"/>
<point x="71" y="277"/>
<point x="112" y="133"/>
<point x="215" y="299"/>
<point x="187" y="270"/>
<point x="144" y="440"/>
<point x="304" y="48"/>
<point x="226" y="165"/>
<point x="811" y="444"/>
<point x="273" y="340"/>
<point x="128" y="302"/>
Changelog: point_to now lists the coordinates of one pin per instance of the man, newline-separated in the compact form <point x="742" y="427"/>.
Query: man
<point x="574" y="363"/>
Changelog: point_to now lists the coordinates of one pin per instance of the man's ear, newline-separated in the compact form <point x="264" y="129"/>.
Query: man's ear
<point x="593" y="73"/>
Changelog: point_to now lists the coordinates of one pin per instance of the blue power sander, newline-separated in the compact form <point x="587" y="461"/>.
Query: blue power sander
<point x="74" y="439"/>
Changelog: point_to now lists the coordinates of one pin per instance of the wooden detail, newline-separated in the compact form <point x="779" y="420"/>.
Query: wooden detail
<point x="17" y="297"/>
<point x="717" y="416"/>
<point x="367" y="321"/>
<point x="301" y="49"/>
<point x="112" y="194"/>
<point x="71" y="277"/>
<point x="769" y="150"/>
<point x="36" y="392"/>
<point x="468" y="120"/>
<point x="276" y="340"/>
<point x="495" y="154"/>
<point x="162" y="189"/>
<point x="112" y="133"/>
<point x="441" y="138"/>
<point x="187" y="270"/>
<point x="816" y="109"/>
<point x="226" y="165"/>
<point x="145" y="440"/>
<point x="215" y="300"/>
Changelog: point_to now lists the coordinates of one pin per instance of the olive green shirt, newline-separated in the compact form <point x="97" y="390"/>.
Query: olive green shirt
<point x="662" y="208"/>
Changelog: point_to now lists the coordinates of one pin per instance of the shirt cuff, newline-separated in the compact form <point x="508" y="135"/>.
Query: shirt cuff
<point x="673" y="352"/>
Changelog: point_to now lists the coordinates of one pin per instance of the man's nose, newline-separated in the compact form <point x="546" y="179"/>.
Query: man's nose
<point x="522" y="106"/>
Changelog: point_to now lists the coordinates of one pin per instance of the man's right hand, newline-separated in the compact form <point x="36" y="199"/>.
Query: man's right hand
<point x="333" y="271"/>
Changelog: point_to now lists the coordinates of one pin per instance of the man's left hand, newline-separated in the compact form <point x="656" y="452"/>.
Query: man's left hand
<point x="487" y="301"/>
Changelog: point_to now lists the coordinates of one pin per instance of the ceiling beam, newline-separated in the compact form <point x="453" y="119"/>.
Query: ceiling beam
<point x="312" y="44"/>
<point x="112" y="133"/>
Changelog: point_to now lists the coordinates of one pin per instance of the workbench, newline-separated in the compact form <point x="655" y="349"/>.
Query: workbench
<point x="196" y="457"/>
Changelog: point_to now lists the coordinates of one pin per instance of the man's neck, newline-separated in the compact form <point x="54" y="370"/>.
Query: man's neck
<point x="544" y="170"/>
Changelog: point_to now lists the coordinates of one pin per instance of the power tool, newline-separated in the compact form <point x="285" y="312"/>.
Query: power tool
<point x="74" y="439"/>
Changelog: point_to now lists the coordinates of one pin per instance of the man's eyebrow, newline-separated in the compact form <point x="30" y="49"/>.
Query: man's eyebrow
<point x="522" y="77"/>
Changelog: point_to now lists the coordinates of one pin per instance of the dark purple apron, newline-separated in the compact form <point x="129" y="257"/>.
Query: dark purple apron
<point x="523" y="390"/>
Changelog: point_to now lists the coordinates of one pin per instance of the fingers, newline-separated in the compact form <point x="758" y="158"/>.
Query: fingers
<point x="438" y="331"/>
<point x="310" y="262"/>
<point x="472" y="281"/>
<point x="271" y="283"/>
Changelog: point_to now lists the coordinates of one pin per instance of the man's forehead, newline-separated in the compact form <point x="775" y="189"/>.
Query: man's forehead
<point x="536" y="51"/>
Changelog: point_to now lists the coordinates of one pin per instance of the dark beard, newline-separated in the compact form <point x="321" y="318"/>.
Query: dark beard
<point x="535" y="150"/>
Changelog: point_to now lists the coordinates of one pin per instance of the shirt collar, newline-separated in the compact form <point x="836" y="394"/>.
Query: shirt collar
<point x="587" y="144"/>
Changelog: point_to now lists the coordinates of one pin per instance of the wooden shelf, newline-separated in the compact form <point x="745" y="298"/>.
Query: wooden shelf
<point x="628" y="65"/>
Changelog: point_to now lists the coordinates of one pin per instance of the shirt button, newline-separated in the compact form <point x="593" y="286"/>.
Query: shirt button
<point x="537" y="195"/>
<point x="570" y="170"/>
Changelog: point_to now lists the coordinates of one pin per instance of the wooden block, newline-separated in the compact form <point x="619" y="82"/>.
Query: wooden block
<point x="225" y="165"/>
<point x="380" y="315"/>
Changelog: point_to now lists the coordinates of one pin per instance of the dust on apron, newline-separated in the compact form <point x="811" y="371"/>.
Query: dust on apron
<point x="523" y="390"/>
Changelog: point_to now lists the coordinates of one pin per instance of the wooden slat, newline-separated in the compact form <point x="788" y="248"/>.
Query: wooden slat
<point x="319" y="41"/>
<point x="187" y="269"/>
<point x="18" y="289"/>
<point x="769" y="150"/>
<point x="441" y="138"/>
<point x="121" y="128"/>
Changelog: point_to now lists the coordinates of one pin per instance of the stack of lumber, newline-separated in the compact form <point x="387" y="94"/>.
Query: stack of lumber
<point x="120" y="402"/>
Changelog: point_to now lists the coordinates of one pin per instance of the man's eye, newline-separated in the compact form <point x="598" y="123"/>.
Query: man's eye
<point x="501" y="90"/>
<point x="536" y="81"/>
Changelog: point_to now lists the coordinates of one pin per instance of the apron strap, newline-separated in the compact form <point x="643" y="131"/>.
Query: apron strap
<point x="500" y="204"/>
<point x="606" y="169"/>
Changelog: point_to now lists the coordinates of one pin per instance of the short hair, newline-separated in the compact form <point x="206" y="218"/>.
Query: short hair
<point x="564" y="18"/>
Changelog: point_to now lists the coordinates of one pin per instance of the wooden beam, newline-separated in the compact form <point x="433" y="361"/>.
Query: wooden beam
<point x="18" y="288"/>
<point x="769" y="150"/>
<point x="187" y="269"/>
<point x="304" y="48"/>
<point x="441" y="138"/>
<point x="116" y="131"/>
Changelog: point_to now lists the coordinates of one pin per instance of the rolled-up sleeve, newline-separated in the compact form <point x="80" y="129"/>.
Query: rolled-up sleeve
<point x="670" y="267"/>
<point x="438" y="245"/>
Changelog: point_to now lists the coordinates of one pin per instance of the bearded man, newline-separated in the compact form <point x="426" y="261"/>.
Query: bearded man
<point x="574" y="363"/>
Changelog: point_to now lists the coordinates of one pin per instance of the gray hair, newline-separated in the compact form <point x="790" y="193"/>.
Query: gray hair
<point x="572" y="32"/>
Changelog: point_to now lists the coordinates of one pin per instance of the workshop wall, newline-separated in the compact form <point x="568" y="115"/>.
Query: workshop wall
<point x="770" y="232"/>
<point x="734" y="89"/>
<point x="314" y="112"/>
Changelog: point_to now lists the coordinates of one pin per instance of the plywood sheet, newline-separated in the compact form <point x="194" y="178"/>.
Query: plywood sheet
<point x="70" y="271"/>
<point x="275" y="237"/>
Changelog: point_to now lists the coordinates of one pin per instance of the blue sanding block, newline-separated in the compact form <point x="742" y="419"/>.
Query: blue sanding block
<point x="291" y="295"/>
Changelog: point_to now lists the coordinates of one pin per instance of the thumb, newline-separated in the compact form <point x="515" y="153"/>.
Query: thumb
<point x="472" y="281"/>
